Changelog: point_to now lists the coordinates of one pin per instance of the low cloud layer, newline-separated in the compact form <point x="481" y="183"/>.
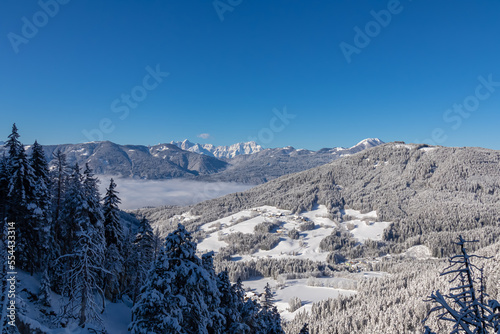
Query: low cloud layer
<point x="136" y="194"/>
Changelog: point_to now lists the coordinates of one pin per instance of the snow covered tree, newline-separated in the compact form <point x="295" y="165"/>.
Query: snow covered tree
<point x="153" y="313"/>
<point x="13" y="144"/>
<point x="42" y="218"/>
<point x="45" y="288"/>
<point x="174" y="300"/>
<point x="230" y="305"/>
<point x="85" y="251"/>
<point x="212" y="296"/>
<point x="466" y="305"/>
<point x="92" y="197"/>
<point x="113" y="233"/>
<point x="267" y="298"/>
<point x="272" y="320"/>
<point x="21" y="202"/>
<point x="252" y="317"/>
<point x="59" y="178"/>
<point x="113" y="230"/>
<point x="142" y="256"/>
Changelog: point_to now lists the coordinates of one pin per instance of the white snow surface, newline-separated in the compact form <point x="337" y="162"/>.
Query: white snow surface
<point x="116" y="316"/>
<point x="307" y="246"/>
<point x="294" y="288"/>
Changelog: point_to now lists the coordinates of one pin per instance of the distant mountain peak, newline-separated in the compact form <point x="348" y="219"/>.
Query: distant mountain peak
<point x="370" y="142"/>
<point x="227" y="152"/>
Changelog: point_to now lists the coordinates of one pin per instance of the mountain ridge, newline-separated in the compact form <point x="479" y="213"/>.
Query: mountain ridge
<point x="247" y="163"/>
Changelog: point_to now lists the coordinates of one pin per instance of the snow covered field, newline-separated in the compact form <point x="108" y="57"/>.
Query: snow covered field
<point x="295" y="288"/>
<point x="364" y="227"/>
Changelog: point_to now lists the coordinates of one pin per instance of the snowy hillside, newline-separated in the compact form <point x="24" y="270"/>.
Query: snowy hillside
<point x="364" y="226"/>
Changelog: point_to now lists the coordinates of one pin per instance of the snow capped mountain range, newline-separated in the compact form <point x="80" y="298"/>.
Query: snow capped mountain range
<point x="251" y="147"/>
<point x="226" y="152"/>
<point x="246" y="162"/>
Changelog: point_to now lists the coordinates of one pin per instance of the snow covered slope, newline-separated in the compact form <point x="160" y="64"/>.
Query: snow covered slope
<point x="306" y="247"/>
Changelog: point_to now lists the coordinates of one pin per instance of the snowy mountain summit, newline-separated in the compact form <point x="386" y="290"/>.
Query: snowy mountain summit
<point x="226" y="152"/>
<point x="366" y="143"/>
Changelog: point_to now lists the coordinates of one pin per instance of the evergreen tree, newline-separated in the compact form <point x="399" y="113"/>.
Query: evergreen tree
<point x="267" y="298"/>
<point x="92" y="197"/>
<point x="42" y="199"/>
<point x="13" y="144"/>
<point x="45" y="289"/>
<point x="112" y="226"/>
<point x="68" y="224"/>
<point x="142" y="256"/>
<point x="21" y="202"/>
<point x="212" y="296"/>
<point x="272" y="321"/>
<point x="59" y="181"/>
<point x="85" y="250"/>
<point x="252" y="317"/>
<point x="174" y="298"/>
<point x="113" y="233"/>
<point x="230" y="305"/>
<point x="153" y="313"/>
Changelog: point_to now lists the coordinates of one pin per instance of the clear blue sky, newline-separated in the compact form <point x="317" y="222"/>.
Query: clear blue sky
<point x="226" y="76"/>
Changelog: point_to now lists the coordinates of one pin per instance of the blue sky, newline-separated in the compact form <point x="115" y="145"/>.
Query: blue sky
<point x="85" y="72"/>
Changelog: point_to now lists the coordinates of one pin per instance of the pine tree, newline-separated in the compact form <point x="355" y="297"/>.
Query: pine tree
<point x="272" y="320"/>
<point x="267" y="298"/>
<point x="67" y="225"/>
<point x="153" y="313"/>
<point x="92" y="197"/>
<point x="174" y="299"/>
<point x="112" y="226"/>
<point x="113" y="233"/>
<point x="230" y="305"/>
<point x="41" y="216"/>
<point x="13" y="144"/>
<point x="212" y="296"/>
<point x="143" y="253"/>
<point x="59" y="181"/>
<point x="21" y="202"/>
<point x="45" y="289"/>
<point x="85" y="249"/>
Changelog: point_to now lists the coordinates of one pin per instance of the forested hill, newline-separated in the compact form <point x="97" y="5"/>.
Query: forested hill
<point x="429" y="193"/>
